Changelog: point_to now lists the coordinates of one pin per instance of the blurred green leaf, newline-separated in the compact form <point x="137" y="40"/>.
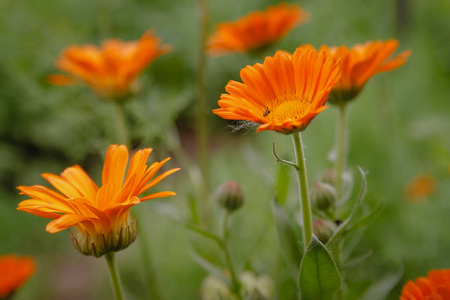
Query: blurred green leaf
<point x="282" y="184"/>
<point x="381" y="288"/>
<point x="343" y="227"/>
<point x="287" y="237"/>
<point x="319" y="275"/>
<point x="205" y="233"/>
<point x="208" y="266"/>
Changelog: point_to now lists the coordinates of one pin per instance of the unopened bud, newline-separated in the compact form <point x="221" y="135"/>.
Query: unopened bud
<point x="324" y="229"/>
<point x="323" y="196"/>
<point x="347" y="181"/>
<point x="230" y="196"/>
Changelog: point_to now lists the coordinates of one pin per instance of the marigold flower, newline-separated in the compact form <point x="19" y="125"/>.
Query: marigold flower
<point x="436" y="286"/>
<point x="14" y="272"/>
<point x="420" y="187"/>
<point x="285" y="93"/>
<point x="100" y="217"/>
<point x="111" y="70"/>
<point x="360" y="63"/>
<point x="256" y="30"/>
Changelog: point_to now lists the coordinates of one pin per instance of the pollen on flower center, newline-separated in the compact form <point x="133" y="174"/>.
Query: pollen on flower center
<point x="280" y="109"/>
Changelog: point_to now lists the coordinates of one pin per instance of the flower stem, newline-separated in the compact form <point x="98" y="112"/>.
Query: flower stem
<point x="341" y="155"/>
<point x="303" y="188"/>
<point x="121" y="127"/>
<point x="236" y="286"/>
<point x="202" y="114"/>
<point x="114" y="276"/>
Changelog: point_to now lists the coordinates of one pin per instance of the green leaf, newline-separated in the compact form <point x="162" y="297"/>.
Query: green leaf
<point x="288" y="238"/>
<point x="282" y="185"/>
<point x="319" y="275"/>
<point x="381" y="288"/>
<point x="208" y="266"/>
<point x="364" y="221"/>
<point x="205" y="233"/>
<point x="362" y="193"/>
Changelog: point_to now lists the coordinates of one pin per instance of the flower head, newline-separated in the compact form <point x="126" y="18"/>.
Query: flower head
<point x="111" y="70"/>
<point x="420" y="187"/>
<point x="436" y="286"/>
<point x="14" y="272"/>
<point x="360" y="63"/>
<point x="285" y="93"/>
<point x="100" y="217"/>
<point x="256" y="30"/>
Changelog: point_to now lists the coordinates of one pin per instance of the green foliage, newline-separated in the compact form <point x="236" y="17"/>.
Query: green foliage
<point x="319" y="275"/>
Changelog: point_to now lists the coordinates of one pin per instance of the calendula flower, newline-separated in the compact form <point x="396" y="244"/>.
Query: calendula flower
<point x="14" y="272"/>
<point x="285" y="93"/>
<point x="420" y="187"/>
<point x="360" y="63"/>
<point x="256" y="30"/>
<point x="111" y="70"/>
<point x="436" y="286"/>
<point x="100" y="217"/>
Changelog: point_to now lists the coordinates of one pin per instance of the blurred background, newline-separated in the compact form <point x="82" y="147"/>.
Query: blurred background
<point x="399" y="130"/>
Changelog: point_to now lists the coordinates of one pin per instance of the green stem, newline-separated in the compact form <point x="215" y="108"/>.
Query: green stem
<point x="202" y="114"/>
<point x="303" y="188"/>
<point x="114" y="276"/>
<point x="341" y="155"/>
<point x="236" y="286"/>
<point x="121" y="127"/>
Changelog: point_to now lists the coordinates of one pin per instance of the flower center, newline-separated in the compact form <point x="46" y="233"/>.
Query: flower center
<point x="280" y="110"/>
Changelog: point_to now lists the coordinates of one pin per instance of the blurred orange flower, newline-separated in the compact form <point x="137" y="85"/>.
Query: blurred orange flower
<point x="100" y="216"/>
<point x="110" y="70"/>
<point x="360" y="63"/>
<point x="285" y="93"/>
<point x="420" y="187"/>
<point x="436" y="286"/>
<point x="256" y="30"/>
<point x="14" y="272"/>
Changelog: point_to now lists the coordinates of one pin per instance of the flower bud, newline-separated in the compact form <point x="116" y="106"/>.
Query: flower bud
<point x="324" y="229"/>
<point x="323" y="196"/>
<point x="98" y="244"/>
<point x="230" y="196"/>
<point x="347" y="182"/>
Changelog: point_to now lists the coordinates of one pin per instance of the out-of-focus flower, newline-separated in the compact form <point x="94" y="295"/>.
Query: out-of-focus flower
<point x="255" y="31"/>
<point x="283" y="94"/>
<point x="14" y="272"/>
<point x="111" y="70"/>
<point x="253" y="287"/>
<point x="436" y="286"/>
<point x="100" y="217"/>
<point x="420" y="187"/>
<point x="360" y="63"/>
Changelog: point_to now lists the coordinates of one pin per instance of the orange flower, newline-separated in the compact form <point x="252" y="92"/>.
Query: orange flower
<point x="111" y="70"/>
<point x="256" y="30"/>
<point x="360" y="63"/>
<point x="100" y="216"/>
<point x="420" y="187"/>
<point x="14" y="272"/>
<point x="284" y="94"/>
<point x="436" y="286"/>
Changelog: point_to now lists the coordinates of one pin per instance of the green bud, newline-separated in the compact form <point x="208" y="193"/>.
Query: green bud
<point x="323" y="196"/>
<point x="324" y="229"/>
<point x="230" y="196"/>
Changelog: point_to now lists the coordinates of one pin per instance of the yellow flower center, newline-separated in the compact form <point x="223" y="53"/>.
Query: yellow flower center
<point x="280" y="110"/>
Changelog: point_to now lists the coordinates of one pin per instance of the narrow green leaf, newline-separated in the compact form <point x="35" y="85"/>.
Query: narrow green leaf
<point x="362" y="193"/>
<point x="364" y="221"/>
<point x="289" y="240"/>
<point x="208" y="266"/>
<point x="204" y="233"/>
<point x="282" y="185"/>
<point x="382" y="288"/>
<point x="319" y="275"/>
